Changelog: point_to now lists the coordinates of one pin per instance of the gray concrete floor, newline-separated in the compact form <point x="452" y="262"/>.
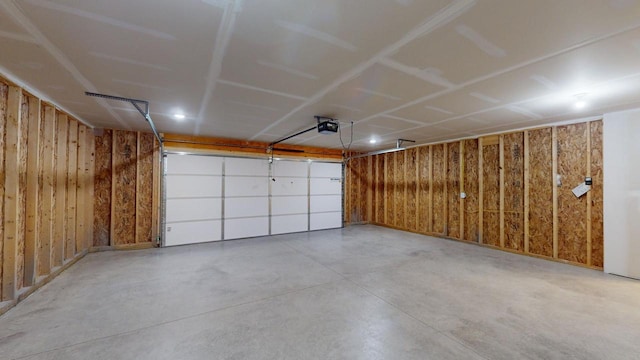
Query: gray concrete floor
<point x="363" y="292"/>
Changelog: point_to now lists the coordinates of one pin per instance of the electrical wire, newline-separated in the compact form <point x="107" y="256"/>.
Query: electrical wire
<point x="345" y="148"/>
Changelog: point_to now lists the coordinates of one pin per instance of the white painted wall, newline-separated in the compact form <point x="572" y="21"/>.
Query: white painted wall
<point x="621" y="140"/>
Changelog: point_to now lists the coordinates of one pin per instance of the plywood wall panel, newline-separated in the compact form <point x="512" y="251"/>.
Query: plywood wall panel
<point x="597" y="230"/>
<point x="61" y="156"/>
<point x="102" y="189"/>
<point x="411" y="188"/>
<point x="33" y="189"/>
<point x="540" y="192"/>
<point x="438" y="192"/>
<point x="380" y="189"/>
<point x="491" y="194"/>
<point x="22" y="196"/>
<point x="514" y="191"/>
<point x="47" y="199"/>
<point x="72" y="183"/>
<point x="389" y="189"/>
<point x="453" y="190"/>
<point x="144" y="191"/>
<point x="572" y="161"/>
<point x="91" y="160"/>
<point x="4" y="90"/>
<point x="424" y="185"/>
<point x="123" y="226"/>
<point x="471" y="190"/>
<point x="81" y="186"/>
<point x="399" y="198"/>
<point x="12" y="195"/>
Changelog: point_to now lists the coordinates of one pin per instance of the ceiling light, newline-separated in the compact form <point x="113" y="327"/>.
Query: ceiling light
<point x="179" y="116"/>
<point x="372" y="141"/>
<point x="580" y="102"/>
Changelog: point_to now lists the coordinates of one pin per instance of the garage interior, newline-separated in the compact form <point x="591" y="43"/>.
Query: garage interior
<point x="401" y="179"/>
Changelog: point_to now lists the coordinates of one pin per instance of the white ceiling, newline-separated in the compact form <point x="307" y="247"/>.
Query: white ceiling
<point x="260" y="70"/>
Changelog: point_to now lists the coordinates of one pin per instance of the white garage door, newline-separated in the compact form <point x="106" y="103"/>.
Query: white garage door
<point x="325" y="196"/>
<point x="193" y="199"/>
<point x="210" y="198"/>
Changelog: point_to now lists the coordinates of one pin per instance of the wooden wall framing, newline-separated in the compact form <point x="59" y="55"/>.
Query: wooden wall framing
<point x="126" y="197"/>
<point x="44" y="167"/>
<point x="517" y="190"/>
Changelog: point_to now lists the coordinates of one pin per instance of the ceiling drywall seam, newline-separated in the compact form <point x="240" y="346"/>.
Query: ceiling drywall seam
<point x="510" y="106"/>
<point x="510" y="69"/>
<point x="287" y="70"/>
<point x="227" y="25"/>
<point x="255" y="88"/>
<point x="441" y="18"/>
<point x="11" y="8"/>
<point x="100" y="18"/>
<point x="493" y="75"/>
<point x="429" y="75"/>
<point x="19" y="37"/>
<point x="16" y="80"/>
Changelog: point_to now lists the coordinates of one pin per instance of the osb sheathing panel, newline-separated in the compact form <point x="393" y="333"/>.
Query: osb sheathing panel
<point x="424" y="198"/>
<point x="540" y="192"/>
<point x="453" y="190"/>
<point x="390" y="188"/>
<point x="22" y="183"/>
<point x="124" y="195"/>
<point x="72" y="180"/>
<point x="471" y="204"/>
<point x="400" y="193"/>
<point x="81" y="198"/>
<point x="47" y="195"/>
<point x="3" y="115"/>
<point x="410" y="179"/>
<point x="439" y="199"/>
<point x="362" y="190"/>
<point x="356" y="191"/>
<point x="572" y="162"/>
<point x="145" y="188"/>
<point x="597" y="231"/>
<point x="514" y="191"/>
<point x="102" y="189"/>
<point x="365" y="189"/>
<point x="57" y="243"/>
<point x="491" y="195"/>
<point x="380" y="192"/>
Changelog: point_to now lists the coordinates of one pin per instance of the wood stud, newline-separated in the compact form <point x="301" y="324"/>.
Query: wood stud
<point x="42" y="164"/>
<point x="512" y="179"/>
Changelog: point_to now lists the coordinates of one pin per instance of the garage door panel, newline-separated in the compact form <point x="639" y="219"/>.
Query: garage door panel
<point x="193" y="186"/>
<point x="246" y="186"/>
<point x="193" y="165"/>
<point x="289" y="186"/>
<point x="325" y="186"/>
<point x="327" y="170"/>
<point x="193" y="232"/>
<point x="246" y="167"/>
<point x="289" y="224"/>
<point x="289" y="205"/>
<point x="326" y="203"/>
<point x="248" y="227"/>
<point x="330" y="220"/>
<point x="246" y="207"/>
<point x="193" y="209"/>
<point x="289" y="168"/>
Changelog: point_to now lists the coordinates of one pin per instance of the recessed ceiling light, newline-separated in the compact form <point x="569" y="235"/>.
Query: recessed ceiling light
<point x="581" y="104"/>
<point x="179" y="116"/>
<point x="372" y="141"/>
